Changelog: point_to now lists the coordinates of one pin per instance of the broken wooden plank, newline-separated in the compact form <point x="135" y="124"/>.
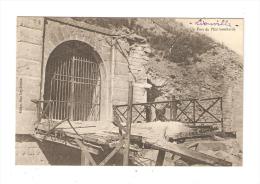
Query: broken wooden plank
<point x="90" y="138"/>
<point x="68" y="141"/>
<point x="187" y="153"/>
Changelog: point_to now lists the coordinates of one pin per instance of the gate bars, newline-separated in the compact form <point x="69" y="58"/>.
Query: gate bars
<point x="74" y="88"/>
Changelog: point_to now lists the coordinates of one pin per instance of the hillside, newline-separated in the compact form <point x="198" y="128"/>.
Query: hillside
<point x="189" y="64"/>
<point x="185" y="63"/>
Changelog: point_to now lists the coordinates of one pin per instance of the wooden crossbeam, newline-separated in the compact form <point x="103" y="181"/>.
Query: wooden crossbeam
<point x="120" y="126"/>
<point x="139" y="113"/>
<point x="207" y="110"/>
<point x="122" y="114"/>
<point x="111" y="154"/>
<point x="164" y="107"/>
<point x="182" y="111"/>
<point x="53" y="128"/>
<point x="117" y="116"/>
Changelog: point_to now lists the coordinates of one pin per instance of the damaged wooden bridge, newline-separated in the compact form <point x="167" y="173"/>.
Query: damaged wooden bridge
<point x="158" y="126"/>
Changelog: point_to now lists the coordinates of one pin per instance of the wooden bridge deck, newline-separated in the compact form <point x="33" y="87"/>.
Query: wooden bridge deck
<point x="103" y="134"/>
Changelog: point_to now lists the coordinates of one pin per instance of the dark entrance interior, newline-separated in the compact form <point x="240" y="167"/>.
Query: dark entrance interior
<point x="72" y="82"/>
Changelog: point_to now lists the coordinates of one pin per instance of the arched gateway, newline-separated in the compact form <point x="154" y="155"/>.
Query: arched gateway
<point x="73" y="82"/>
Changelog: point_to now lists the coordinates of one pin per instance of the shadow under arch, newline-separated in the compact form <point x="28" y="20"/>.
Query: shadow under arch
<point x="74" y="75"/>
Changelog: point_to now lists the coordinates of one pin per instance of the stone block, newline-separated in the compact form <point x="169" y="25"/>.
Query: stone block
<point x="137" y="53"/>
<point x="119" y="58"/>
<point x="106" y="53"/>
<point x="28" y="68"/>
<point x="31" y="22"/>
<point x="92" y="37"/>
<point x="99" y="47"/>
<point x="139" y="58"/>
<point x="147" y="50"/>
<point x="25" y="122"/>
<point x="140" y="95"/>
<point x="26" y="90"/>
<point x="120" y="95"/>
<point x="60" y="31"/>
<point x="29" y="153"/>
<point x="121" y="69"/>
<point x="137" y="48"/>
<point x="121" y="82"/>
<point x="25" y="34"/>
<point x="29" y="51"/>
<point x="118" y="102"/>
<point x="51" y="35"/>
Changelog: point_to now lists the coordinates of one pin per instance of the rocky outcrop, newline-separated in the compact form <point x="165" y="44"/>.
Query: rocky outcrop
<point x="217" y="73"/>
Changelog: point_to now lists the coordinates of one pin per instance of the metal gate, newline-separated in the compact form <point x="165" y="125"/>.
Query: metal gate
<point x="72" y="85"/>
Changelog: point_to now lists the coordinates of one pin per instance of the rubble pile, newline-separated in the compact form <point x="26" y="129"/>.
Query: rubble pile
<point x="211" y="70"/>
<point x="228" y="150"/>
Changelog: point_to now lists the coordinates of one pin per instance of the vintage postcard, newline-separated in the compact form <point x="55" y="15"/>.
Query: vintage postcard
<point x="129" y="91"/>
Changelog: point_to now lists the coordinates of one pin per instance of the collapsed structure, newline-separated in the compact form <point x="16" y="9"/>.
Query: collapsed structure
<point x="75" y="103"/>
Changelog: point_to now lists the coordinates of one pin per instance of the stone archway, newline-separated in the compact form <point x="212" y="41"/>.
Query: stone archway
<point x="75" y="80"/>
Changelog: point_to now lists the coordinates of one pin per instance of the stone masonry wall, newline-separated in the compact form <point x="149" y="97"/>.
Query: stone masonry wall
<point x="30" y="53"/>
<point x="28" y="71"/>
<point x="129" y="66"/>
<point x="30" y="80"/>
<point x="57" y="33"/>
<point x="33" y="152"/>
<point x="121" y="74"/>
<point x="138" y="58"/>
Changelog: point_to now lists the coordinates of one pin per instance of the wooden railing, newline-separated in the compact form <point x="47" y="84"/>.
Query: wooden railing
<point x="194" y="112"/>
<point x="43" y="111"/>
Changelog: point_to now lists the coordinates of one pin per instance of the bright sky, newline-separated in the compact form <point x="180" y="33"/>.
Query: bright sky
<point x="226" y="31"/>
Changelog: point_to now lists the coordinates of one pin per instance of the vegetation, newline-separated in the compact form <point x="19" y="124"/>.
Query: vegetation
<point x="173" y="42"/>
<point x="193" y="64"/>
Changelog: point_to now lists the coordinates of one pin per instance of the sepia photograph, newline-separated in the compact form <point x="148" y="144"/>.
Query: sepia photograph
<point x="129" y="91"/>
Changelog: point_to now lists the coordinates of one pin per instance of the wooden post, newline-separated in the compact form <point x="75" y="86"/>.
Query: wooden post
<point x="84" y="158"/>
<point x="221" y="109"/>
<point x="173" y="116"/>
<point x="38" y="105"/>
<point x="173" y="111"/>
<point x="148" y="113"/>
<point x="194" y="112"/>
<point x="160" y="158"/>
<point x="129" y="121"/>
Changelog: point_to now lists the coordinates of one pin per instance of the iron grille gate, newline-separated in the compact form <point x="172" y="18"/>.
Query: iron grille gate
<point x="73" y="87"/>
